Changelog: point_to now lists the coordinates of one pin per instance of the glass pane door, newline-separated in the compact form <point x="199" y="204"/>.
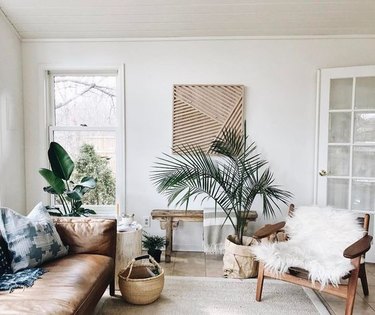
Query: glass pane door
<point x="351" y="143"/>
<point x="345" y="176"/>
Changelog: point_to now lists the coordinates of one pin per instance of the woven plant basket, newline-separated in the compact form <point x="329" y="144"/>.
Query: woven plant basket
<point x="138" y="283"/>
<point x="239" y="260"/>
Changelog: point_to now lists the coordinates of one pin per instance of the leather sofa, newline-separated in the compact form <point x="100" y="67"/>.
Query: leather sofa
<point x="75" y="283"/>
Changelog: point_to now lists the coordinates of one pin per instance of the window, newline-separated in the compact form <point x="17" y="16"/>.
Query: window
<point x="84" y="119"/>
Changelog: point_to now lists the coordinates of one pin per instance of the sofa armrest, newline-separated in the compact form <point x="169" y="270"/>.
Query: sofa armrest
<point x="88" y="235"/>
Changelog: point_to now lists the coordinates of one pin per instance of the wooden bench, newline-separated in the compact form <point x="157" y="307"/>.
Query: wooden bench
<point x="169" y="219"/>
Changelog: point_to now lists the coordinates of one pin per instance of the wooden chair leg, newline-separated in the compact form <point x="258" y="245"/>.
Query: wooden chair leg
<point x="363" y="277"/>
<point x="352" y="286"/>
<point x="260" y="281"/>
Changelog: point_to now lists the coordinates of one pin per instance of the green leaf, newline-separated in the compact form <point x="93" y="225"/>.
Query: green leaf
<point x="50" y="190"/>
<point x="84" y="211"/>
<point x="88" y="182"/>
<point x="74" y="194"/>
<point x="54" y="213"/>
<point x="77" y="204"/>
<point x="90" y="211"/>
<point x="83" y="187"/>
<point x="56" y="183"/>
<point x="61" y="163"/>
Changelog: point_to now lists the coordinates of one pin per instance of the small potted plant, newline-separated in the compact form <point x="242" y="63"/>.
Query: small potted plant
<point x="153" y="244"/>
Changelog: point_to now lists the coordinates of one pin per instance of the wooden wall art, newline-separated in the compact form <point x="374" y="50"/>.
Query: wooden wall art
<point x="201" y="112"/>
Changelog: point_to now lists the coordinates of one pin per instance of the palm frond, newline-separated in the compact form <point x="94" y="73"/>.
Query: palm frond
<point x="230" y="143"/>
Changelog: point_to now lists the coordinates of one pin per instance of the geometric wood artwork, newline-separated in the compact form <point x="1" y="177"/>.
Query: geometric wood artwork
<point x="201" y="112"/>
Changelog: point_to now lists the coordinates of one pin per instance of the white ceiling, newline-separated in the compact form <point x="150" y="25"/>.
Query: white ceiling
<point x="54" y="19"/>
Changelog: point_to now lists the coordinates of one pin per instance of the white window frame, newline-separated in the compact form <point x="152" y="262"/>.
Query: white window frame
<point x="119" y="129"/>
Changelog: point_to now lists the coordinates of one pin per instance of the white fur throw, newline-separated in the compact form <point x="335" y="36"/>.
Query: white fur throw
<point x="317" y="240"/>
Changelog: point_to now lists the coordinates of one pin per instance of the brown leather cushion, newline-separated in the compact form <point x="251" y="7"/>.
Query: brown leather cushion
<point x="87" y="235"/>
<point x="71" y="285"/>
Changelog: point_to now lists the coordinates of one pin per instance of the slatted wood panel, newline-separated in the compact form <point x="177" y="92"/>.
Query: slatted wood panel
<point x="201" y="112"/>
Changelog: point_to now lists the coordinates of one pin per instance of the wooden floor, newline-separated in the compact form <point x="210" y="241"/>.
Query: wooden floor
<point x="197" y="264"/>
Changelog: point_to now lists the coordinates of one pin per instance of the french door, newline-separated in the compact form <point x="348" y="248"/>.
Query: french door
<point x="346" y="147"/>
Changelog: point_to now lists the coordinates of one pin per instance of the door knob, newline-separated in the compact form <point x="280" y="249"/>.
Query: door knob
<point x="323" y="173"/>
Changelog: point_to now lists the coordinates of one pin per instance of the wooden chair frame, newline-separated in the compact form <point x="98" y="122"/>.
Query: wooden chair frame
<point x="346" y="291"/>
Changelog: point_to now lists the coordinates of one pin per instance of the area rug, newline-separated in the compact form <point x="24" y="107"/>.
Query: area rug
<point x="219" y="296"/>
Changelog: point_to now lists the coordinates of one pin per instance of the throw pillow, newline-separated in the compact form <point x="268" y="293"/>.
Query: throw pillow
<point x="32" y="240"/>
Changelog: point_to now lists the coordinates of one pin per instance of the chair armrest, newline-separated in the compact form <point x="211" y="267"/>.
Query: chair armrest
<point x="268" y="230"/>
<point x="358" y="248"/>
<point x="88" y="235"/>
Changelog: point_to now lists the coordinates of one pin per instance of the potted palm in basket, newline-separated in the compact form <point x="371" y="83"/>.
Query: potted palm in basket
<point x="231" y="173"/>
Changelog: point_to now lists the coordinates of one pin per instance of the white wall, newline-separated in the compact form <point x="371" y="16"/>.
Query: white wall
<point x="12" y="175"/>
<point x="280" y="80"/>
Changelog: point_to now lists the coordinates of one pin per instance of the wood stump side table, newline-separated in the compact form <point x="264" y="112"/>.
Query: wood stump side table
<point x="129" y="245"/>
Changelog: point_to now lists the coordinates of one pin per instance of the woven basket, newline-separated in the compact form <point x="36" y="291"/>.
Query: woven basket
<point x="138" y="284"/>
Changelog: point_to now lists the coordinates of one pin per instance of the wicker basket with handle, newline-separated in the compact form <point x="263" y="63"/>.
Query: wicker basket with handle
<point x="141" y="283"/>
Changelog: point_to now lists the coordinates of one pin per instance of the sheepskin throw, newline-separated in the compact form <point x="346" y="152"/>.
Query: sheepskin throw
<point x="317" y="240"/>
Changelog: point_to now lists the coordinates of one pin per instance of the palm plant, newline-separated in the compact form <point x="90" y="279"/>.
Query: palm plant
<point x="233" y="174"/>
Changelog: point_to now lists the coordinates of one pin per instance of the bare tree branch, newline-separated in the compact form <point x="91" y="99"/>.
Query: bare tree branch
<point x="57" y="106"/>
<point x="90" y="86"/>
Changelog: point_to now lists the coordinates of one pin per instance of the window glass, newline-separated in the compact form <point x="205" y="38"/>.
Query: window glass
<point x="85" y="100"/>
<point x="84" y="123"/>
<point x="94" y="154"/>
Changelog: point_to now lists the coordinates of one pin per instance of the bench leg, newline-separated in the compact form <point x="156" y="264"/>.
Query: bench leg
<point x="169" y="239"/>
